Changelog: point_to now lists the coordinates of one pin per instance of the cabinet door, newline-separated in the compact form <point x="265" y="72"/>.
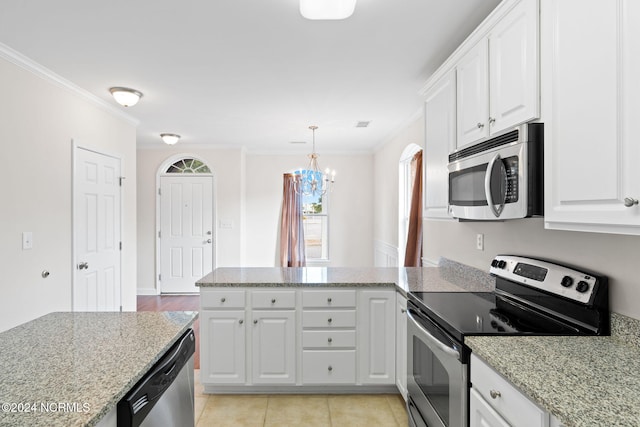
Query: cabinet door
<point x="514" y="68"/>
<point x="222" y="347"/>
<point x="274" y="348"/>
<point x="440" y="140"/>
<point x="472" y="94"/>
<point x="481" y="414"/>
<point x="591" y="105"/>
<point x="401" y="345"/>
<point x="376" y="336"/>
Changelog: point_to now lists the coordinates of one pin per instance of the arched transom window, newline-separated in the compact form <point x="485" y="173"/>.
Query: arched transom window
<point x="188" y="165"/>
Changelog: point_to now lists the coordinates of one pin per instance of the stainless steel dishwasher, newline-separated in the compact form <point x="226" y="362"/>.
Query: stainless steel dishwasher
<point x="164" y="396"/>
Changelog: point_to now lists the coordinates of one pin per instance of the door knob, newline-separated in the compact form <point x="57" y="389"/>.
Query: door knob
<point x="83" y="265"/>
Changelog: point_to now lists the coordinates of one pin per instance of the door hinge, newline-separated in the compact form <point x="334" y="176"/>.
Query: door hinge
<point x="120" y="245"/>
<point x="159" y="277"/>
<point x="159" y="192"/>
<point x="120" y="308"/>
<point x="120" y="178"/>
<point x="159" y="234"/>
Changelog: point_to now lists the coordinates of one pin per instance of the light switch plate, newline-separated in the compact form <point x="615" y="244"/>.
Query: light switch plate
<point x="480" y="242"/>
<point x="27" y="240"/>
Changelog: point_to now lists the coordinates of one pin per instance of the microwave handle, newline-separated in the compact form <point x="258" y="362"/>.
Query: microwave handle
<point x="487" y="186"/>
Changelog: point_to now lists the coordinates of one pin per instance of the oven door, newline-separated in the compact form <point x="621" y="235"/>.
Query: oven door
<point x="437" y="378"/>
<point x="490" y="185"/>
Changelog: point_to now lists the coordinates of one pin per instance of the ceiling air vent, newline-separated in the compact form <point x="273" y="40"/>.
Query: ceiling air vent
<point x="362" y="124"/>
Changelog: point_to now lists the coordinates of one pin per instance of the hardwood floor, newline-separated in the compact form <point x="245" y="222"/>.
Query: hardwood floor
<point x="174" y="303"/>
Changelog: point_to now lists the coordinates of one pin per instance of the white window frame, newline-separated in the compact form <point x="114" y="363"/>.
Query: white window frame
<point x="324" y="258"/>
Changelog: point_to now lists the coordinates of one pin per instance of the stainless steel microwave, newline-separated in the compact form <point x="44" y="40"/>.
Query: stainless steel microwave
<point x="500" y="177"/>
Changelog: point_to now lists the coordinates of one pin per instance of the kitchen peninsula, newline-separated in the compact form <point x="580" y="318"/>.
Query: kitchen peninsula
<point x="314" y="329"/>
<point x="71" y="369"/>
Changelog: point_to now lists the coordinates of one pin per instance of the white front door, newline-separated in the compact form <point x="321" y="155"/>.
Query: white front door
<point x="186" y="231"/>
<point x="96" y="227"/>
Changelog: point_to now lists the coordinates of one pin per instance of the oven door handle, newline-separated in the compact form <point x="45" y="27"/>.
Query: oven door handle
<point x="487" y="185"/>
<point x="445" y="348"/>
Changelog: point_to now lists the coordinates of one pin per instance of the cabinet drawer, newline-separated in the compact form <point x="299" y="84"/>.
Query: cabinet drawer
<point x="328" y="339"/>
<point x="273" y="299"/>
<point x="222" y="298"/>
<point x="327" y="298"/>
<point x="329" y="319"/>
<point x="329" y="367"/>
<point x="514" y="406"/>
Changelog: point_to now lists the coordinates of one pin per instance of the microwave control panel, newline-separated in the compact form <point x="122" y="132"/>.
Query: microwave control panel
<point x="511" y="167"/>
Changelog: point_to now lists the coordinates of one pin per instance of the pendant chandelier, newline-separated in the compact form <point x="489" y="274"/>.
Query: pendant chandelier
<point x="314" y="182"/>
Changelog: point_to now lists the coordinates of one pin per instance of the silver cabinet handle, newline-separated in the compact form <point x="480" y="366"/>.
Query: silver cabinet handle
<point x="480" y="125"/>
<point x="329" y="300"/>
<point x="83" y="265"/>
<point x="629" y="201"/>
<point x="208" y="240"/>
<point x="273" y="301"/>
<point x="330" y="368"/>
<point x="494" y="394"/>
<point x="329" y="320"/>
<point x="241" y="321"/>
<point x="330" y="340"/>
<point x="403" y="310"/>
<point x="491" y="120"/>
<point x="223" y="299"/>
<point x="255" y="322"/>
<point x="209" y="233"/>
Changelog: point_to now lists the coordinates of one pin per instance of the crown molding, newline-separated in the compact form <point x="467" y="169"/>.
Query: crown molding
<point x="44" y="73"/>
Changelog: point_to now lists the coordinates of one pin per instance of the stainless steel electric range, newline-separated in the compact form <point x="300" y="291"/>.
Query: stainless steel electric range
<point x="532" y="297"/>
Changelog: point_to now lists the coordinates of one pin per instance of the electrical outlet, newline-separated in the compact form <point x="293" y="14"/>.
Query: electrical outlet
<point x="27" y="240"/>
<point x="480" y="242"/>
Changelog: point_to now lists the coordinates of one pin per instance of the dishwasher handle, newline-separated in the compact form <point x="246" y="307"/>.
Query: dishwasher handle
<point x="146" y="393"/>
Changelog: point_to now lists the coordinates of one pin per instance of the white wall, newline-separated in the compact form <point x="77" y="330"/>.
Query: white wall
<point x="350" y="217"/>
<point x="38" y="120"/>
<point x="248" y="192"/>
<point x="386" y="181"/>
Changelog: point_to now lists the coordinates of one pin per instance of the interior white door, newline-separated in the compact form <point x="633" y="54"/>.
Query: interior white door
<point x="96" y="226"/>
<point x="186" y="231"/>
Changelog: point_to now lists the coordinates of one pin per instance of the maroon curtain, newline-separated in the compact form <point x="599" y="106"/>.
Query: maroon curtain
<point x="413" y="252"/>
<point x="291" y="229"/>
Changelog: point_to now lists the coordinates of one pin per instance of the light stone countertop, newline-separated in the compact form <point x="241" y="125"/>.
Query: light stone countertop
<point x="85" y="361"/>
<point x="449" y="276"/>
<point x="582" y="381"/>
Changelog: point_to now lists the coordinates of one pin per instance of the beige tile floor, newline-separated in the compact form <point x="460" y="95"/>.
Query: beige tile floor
<point x="298" y="410"/>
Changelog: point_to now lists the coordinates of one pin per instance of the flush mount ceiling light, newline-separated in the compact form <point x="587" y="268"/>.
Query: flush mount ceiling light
<point x="170" y="138"/>
<point x="125" y="96"/>
<point x="327" y="9"/>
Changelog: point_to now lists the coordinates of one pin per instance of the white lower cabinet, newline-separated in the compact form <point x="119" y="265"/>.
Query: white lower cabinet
<point x="376" y="336"/>
<point x="273" y="355"/>
<point x="222" y="346"/>
<point x="495" y="402"/>
<point x="401" y="344"/>
<point x="292" y="337"/>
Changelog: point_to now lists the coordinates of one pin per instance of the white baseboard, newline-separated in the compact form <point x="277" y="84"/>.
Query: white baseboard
<point x="147" y="291"/>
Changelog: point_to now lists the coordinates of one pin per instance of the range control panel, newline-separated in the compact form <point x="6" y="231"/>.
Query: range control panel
<point x="546" y="276"/>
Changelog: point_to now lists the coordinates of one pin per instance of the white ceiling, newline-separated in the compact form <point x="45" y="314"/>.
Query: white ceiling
<point x="249" y="73"/>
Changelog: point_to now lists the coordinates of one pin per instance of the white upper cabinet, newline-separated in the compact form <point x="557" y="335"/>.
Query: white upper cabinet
<point x="473" y="94"/>
<point x="440" y="140"/>
<point x="498" y="79"/>
<point x="591" y="104"/>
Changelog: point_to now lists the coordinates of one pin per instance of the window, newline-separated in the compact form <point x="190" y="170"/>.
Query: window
<point x="188" y="166"/>
<point x="315" y="220"/>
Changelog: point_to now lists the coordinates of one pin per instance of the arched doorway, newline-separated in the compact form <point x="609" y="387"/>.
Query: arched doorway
<point x="185" y="249"/>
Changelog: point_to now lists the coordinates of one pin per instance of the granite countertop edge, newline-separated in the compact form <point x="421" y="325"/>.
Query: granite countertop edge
<point x="565" y="375"/>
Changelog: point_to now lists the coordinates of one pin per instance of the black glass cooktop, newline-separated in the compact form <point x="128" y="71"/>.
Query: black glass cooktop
<point x="485" y="313"/>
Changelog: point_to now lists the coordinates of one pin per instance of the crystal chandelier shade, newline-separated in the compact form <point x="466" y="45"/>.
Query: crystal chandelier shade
<point x="313" y="181"/>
